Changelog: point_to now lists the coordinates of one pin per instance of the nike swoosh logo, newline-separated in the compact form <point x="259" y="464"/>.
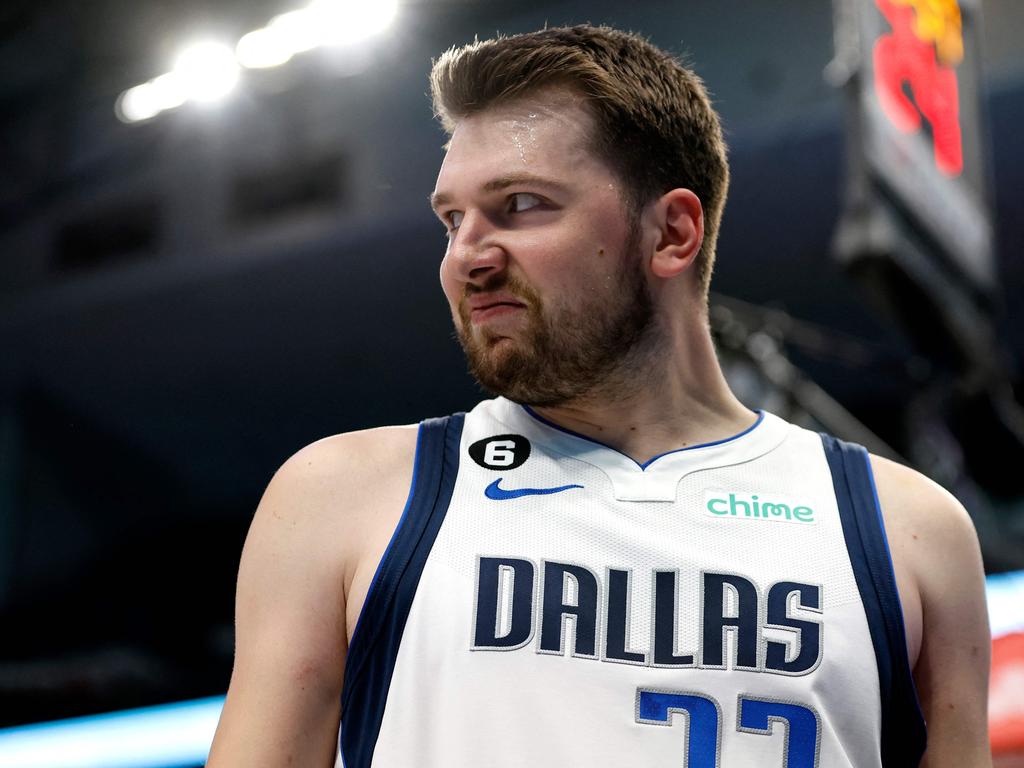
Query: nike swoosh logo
<point x="492" y="491"/>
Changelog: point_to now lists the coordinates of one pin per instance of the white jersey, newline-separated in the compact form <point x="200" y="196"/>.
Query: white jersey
<point x="548" y="602"/>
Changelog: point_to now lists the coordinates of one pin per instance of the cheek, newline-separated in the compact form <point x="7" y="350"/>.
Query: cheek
<point x="449" y="284"/>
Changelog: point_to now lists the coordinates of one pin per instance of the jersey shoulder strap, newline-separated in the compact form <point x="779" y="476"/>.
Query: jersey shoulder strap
<point x="903" y="727"/>
<point x="378" y="632"/>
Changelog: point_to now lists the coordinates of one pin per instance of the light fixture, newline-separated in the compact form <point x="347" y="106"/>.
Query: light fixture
<point x="206" y="71"/>
<point x="150" y="737"/>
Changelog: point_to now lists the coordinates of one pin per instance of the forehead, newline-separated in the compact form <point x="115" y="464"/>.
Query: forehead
<point x="545" y="136"/>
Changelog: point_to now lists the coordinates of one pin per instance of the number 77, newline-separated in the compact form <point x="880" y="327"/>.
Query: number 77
<point x="755" y="715"/>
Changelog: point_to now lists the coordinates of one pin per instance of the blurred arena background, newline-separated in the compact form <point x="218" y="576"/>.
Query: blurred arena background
<point x="204" y="271"/>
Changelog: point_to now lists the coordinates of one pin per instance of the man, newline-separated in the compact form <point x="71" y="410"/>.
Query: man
<point x="614" y="562"/>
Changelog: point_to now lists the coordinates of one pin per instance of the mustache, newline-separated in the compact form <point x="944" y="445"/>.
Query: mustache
<point x="507" y="284"/>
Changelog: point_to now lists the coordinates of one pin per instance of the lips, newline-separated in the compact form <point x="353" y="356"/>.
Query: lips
<point x="485" y="301"/>
<point x="483" y="307"/>
<point x="493" y="310"/>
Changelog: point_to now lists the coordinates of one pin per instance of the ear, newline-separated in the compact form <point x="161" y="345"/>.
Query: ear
<point x="679" y="217"/>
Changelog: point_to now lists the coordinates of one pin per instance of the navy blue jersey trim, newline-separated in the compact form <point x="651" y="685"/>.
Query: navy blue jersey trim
<point x="378" y="633"/>
<point x="356" y="633"/>
<point x="903" y="727"/>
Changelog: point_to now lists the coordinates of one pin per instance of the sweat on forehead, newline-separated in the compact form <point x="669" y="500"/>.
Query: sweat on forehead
<point x="502" y="142"/>
<point x="529" y="142"/>
<point x="557" y="104"/>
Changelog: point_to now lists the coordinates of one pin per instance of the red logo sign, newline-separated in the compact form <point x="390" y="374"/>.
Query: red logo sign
<point x="922" y="51"/>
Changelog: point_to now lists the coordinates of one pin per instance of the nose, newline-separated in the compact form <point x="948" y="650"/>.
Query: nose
<point x="474" y="254"/>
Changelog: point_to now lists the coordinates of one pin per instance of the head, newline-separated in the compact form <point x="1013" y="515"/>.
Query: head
<point x="613" y="126"/>
<point x="654" y="126"/>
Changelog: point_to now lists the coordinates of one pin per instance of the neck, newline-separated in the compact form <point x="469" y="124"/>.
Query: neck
<point x="674" y="398"/>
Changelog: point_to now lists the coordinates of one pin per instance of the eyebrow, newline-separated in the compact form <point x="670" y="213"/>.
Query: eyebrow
<point x="437" y="199"/>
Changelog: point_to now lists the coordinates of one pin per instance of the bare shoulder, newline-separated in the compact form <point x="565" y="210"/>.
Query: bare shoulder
<point x="336" y="491"/>
<point x="347" y="457"/>
<point x="322" y="518"/>
<point x="941" y="580"/>
<point x="328" y="510"/>
<point x="919" y="504"/>
<point x="927" y="527"/>
<point x="346" y="462"/>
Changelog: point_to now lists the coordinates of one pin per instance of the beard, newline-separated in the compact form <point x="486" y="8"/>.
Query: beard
<point x="567" y="353"/>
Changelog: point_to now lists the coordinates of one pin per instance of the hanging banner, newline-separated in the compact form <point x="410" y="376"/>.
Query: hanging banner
<point x="913" y="70"/>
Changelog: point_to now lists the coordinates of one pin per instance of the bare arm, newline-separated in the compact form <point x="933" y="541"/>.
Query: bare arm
<point x="319" y="522"/>
<point x="934" y="542"/>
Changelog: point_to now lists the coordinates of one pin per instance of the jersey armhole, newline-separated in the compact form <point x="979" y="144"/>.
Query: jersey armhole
<point x="903" y="727"/>
<point x="378" y="633"/>
<point x="375" y="581"/>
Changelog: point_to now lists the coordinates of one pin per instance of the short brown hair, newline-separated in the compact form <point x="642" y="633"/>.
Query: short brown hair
<point x="656" y="128"/>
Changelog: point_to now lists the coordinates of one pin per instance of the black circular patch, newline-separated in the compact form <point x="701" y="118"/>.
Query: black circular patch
<point x="500" y="452"/>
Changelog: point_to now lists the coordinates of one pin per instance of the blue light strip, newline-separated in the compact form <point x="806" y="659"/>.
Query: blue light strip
<point x="1005" y="596"/>
<point x="166" y="736"/>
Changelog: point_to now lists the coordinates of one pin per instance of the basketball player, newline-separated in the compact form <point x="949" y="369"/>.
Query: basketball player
<point x="614" y="562"/>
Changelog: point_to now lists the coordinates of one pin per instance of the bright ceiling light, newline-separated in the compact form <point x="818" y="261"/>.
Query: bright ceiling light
<point x="262" y="48"/>
<point x="206" y="70"/>
<point x="377" y="17"/>
<point x="348" y="21"/>
<point x="169" y="90"/>
<point x="298" y="30"/>
<point x="136" y="104"/>
<point x="149" y="99"/>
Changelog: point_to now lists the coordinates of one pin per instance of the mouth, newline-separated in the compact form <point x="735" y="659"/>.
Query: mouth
<point x="488" y="311"/>
<point x="479" y="307"/>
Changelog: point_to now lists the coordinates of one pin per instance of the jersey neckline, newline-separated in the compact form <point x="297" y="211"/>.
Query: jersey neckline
<point x="643" y="466"/>
<point x="656" y="479"/>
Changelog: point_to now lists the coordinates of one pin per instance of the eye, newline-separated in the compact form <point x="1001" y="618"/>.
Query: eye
<point x="453" y="219"/>
<point x="523" y="201"/>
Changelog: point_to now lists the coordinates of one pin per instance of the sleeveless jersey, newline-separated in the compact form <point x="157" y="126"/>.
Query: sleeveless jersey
<point x="548" y="602"/>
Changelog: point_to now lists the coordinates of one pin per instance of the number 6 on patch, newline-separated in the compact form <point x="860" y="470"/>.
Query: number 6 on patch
<point x="756" y="716"/>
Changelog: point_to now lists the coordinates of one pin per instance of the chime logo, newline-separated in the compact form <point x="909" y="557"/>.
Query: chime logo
<point x="756" y="506"/>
